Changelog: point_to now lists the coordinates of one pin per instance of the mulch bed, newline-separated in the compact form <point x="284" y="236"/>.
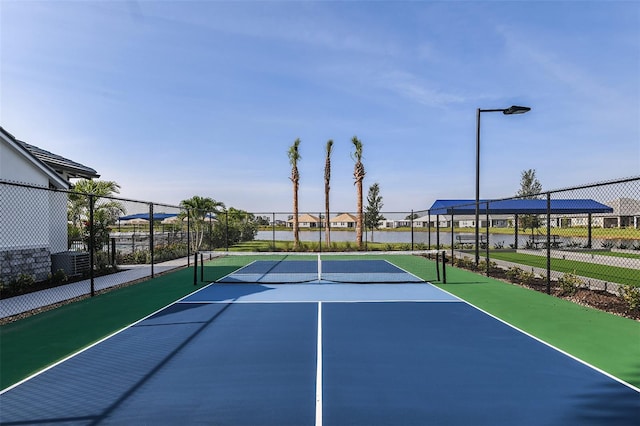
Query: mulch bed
<point x="597" y="299"/>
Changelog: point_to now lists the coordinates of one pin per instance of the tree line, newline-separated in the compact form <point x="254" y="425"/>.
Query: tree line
<point x="92" y="202"/>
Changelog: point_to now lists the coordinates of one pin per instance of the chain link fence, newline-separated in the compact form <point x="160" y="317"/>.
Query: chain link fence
<point x="582" y="237"/>
<point x="57" y="246"/>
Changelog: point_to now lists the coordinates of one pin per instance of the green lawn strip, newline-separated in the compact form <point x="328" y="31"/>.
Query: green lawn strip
<point x="31" y="344"/>
<point x="603" y="340"/>
<point x="601" y="272"/>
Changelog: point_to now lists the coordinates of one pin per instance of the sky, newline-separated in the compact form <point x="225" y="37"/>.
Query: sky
<point x="172" y="99"/>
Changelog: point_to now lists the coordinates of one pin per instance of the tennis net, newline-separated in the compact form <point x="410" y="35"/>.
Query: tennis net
<point x="357" y="268"/>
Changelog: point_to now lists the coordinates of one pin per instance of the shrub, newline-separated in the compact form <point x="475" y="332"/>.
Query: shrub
<point x="463" y="262"/>
<point x="513" y="273"/>
<point x="21" y="283"/>
<point x="631" y="296"/>
<point x="58" y="277"/>
<point x="493" y="267"/>
<point x="569" y="283"/>
<point x="527" y="277"/>
<point x="607" y="244"/>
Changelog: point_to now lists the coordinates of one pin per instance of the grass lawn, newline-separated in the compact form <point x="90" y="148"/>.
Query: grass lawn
<point x="614" y="274"/>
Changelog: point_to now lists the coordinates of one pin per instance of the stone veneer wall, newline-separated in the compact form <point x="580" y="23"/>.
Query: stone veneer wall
<point x="31" y="261"/>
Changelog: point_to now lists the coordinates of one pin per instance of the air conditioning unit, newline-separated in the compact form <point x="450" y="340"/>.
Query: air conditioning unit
<point x="73" y="263"/>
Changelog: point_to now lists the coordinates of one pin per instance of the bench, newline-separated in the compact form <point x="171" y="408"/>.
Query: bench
<point x="541" y="240"/>
<point x="469" y="240"/>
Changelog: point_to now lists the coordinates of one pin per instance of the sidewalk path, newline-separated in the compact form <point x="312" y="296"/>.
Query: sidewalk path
<point x="38" y="299"/>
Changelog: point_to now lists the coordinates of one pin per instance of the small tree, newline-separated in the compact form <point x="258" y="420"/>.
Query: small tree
<point x="372" y="216"/>
<point x="530" y="188"/>
<point x="199" y="209"/>
<point x="235" y="226"/>
<point x="105" y="211"/>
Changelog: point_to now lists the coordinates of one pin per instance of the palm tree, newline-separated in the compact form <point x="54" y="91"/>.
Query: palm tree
<point x="198" y="208"/>
<point x="358" y="176"/>
<point x="327" y="179"/>
<point x="294" y="157"/>
<point x="105" y="212"/>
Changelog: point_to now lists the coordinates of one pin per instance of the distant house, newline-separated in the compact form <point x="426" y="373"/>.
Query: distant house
<point x="344" y="220"/>
<point x="626" y="214"/>
<point x="34" y="221"/>
<point x="306" y="221"/>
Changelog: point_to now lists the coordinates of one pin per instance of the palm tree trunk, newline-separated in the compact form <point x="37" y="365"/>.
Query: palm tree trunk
<point x="360" y="221"/>
<point x="327" y="229"/>
<point x="296" y="237"/>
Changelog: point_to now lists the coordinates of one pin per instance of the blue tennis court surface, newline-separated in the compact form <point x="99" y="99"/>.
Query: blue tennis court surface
<point x="312" y="354"/>
<point x="298" y="271"/>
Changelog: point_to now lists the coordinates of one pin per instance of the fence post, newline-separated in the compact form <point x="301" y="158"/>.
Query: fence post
<point x="113" y="252"/>
<point x="548" y="243"/>
<point x="188" y="238"/>
<point x="411" y="217"/>
<point x="487" y="240"/>
<point x="195" y="268"/>
<point x="452" y="243"/>
<point x="428" y="229"/>
<point x="151" y="231"/>
<point x="438" y="232"/>
<point x="444" y="267"/>
<point x="320" y="234"/>
<point x="515" y="240"/>
<point x="589" y="230"/>
<point x="92" y="236"/>
<point x="226" y="238"/>
<point x="273" y="231"/>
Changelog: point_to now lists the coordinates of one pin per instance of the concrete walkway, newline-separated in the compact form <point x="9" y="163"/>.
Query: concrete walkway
<point x="27" y="302"/>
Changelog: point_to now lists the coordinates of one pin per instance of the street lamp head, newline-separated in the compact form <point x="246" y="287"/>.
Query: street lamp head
<point x="515" y="109"/>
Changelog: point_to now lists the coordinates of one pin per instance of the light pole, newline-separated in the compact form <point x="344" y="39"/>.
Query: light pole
<point x="508" y="111"/>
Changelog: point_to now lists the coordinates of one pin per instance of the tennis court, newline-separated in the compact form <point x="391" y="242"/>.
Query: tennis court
<point x="300" y="341"/>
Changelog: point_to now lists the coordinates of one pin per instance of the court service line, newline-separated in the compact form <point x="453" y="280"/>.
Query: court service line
<point x="319" y="369"/>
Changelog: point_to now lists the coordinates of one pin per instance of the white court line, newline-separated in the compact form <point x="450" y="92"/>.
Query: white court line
<point x="319" y="369"/>
<point x="257" y="302"/>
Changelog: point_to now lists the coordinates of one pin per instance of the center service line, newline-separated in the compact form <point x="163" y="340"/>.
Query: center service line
<point x="319" y="369"/>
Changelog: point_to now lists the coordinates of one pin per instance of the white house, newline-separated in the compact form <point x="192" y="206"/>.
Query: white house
<point x="306" y="221"/>
<point x="33" y="206"/>
<point x="344" y="220"/>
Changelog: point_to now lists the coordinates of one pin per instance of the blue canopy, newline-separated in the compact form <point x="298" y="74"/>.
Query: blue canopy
<point x="519" y="206"/>
<point x="145" y="216"/>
